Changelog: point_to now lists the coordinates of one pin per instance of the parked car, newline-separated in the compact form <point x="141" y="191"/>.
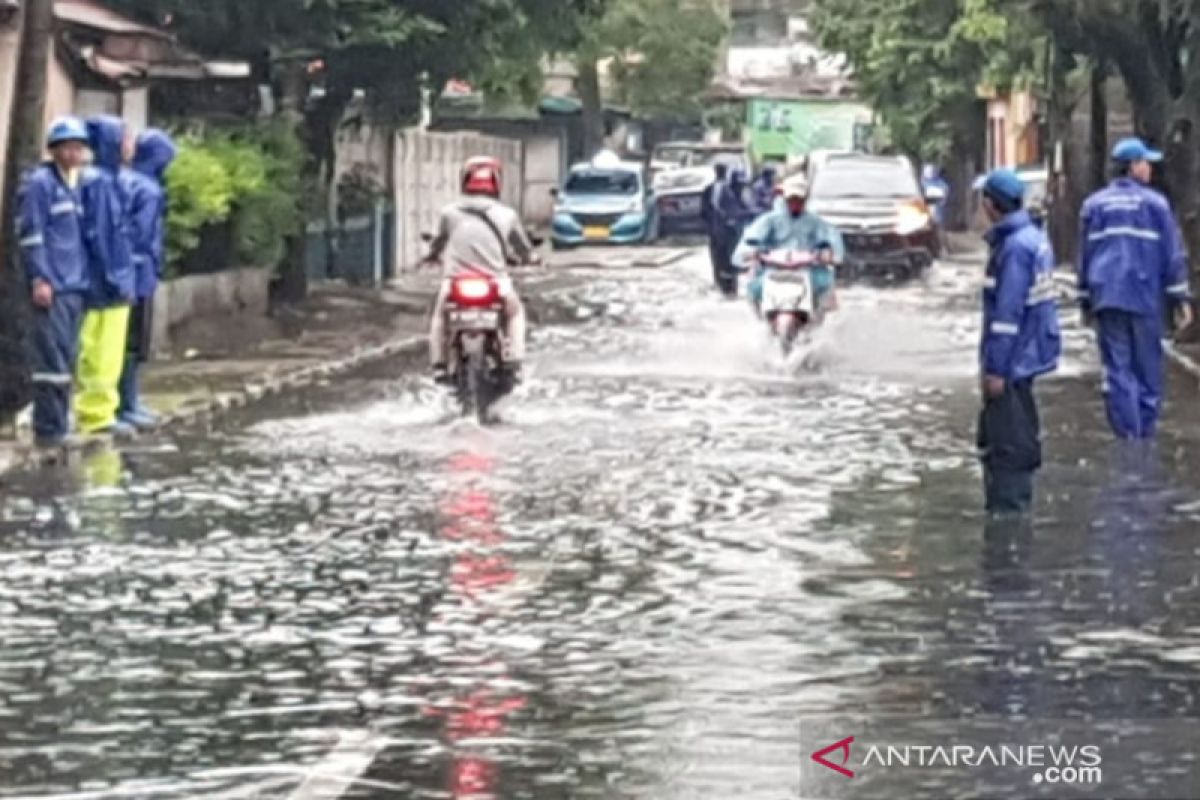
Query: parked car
<point x="878" y="205"/>
<point x="606" y="201"/>
<point x="686" y="172"/>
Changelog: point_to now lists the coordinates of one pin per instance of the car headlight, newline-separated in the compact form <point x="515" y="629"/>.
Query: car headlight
<point x="911" y="219"/>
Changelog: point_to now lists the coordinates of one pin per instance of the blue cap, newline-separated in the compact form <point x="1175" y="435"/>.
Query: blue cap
<point x="1130" y="150"/>
<point x="66" y="129"/>
<point x="1004" y="184"/>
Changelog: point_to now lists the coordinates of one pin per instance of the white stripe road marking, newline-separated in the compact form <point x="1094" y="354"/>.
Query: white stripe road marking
<point x="342" y="768"/>
<point x="1005" y="328"/>
<point x="1137" y="233"/>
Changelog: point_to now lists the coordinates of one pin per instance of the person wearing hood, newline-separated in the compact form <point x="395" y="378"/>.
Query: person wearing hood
<point x="765" y="190"/>
<point x="106" y="233"/>
<point x="50" y="236"/>
<point x="734" y="212"/>
<point x="144" y="184"/>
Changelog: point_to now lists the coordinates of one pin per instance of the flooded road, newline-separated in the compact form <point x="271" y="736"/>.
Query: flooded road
<point x="676" y="570"/>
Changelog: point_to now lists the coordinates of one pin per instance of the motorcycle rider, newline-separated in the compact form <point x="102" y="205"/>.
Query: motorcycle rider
<point x="792" y="227"/>
<point x="479" y="235"/>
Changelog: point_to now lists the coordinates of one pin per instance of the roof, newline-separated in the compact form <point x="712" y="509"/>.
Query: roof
<point x="165" y="59"/>
<point x="91" y="14"/>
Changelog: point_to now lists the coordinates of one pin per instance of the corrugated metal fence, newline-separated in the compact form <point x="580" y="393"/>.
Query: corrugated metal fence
<point x="427" y="168"/>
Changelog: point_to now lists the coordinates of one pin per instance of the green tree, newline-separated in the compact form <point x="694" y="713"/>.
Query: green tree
<point x="663" y="55"/>
<point x="921" y="64"/>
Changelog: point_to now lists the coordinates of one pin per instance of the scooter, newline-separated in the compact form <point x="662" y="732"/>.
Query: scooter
<point x="789" y="298"/>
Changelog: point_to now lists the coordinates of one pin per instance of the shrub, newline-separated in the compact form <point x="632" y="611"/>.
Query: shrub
<point x="249" y="179"/>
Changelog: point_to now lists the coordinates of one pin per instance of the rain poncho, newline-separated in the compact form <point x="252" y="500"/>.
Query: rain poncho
<point x="144" y="186"/>
<point x="779" y="230"/>
<point x="110" y="257"/>
<point x="106" y="218"/>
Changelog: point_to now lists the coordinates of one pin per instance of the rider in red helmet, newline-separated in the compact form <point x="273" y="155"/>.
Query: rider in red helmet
<point x="479" y="234"/>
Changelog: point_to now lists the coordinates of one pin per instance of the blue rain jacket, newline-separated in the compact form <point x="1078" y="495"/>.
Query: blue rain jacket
<point x="1132" y="254"/>
<point x="779" y="230"/>
<point x="50" y="230"/>
<point x="733" y="211"/>
<point x="764" y="191"/>
<point x="1021" y="336"/>
<point x="106" y="225"/>
<point x="144" y="185"/>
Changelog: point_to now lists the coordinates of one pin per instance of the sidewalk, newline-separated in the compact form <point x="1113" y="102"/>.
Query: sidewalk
<point x="215" y="367"/>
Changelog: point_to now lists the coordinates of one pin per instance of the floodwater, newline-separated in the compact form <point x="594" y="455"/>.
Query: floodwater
<point x="676" y="569"/>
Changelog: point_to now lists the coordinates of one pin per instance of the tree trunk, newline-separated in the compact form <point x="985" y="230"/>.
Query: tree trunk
<point x="292" y="286"/>
<point x="965" y="162"/>
<point x="1098" y="127"/>
<point x="593" y="105"/>
<point x="1062" y="224"/>
<point x="24" y="149"/>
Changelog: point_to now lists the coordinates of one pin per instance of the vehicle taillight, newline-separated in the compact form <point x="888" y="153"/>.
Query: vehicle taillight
<point x="474" y="291"/>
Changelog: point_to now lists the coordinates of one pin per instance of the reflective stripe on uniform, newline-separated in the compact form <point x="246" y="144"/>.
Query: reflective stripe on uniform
<point x="1179" y="288"/>
<point x="65" y="207"/>
<point x="33" y="241"/>
<point x="1126" y="230"/>
<point x="1005" y="328"/>
<point x="989" y="283"/>
<point x="52" y="377"/>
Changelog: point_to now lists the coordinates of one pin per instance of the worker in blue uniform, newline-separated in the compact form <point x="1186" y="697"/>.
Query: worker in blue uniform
<point x="1021" y="341"/>
<point x="50" y="236"/>
<point x="1133" y="270"/>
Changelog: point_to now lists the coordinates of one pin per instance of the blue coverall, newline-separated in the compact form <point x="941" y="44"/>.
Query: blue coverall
<point x="144" y="185"/>
<point x="1021" y="340"/>
<point x="733" y="213"/>
<point x="50" y="235"/>
<point x="1133" y="264"/>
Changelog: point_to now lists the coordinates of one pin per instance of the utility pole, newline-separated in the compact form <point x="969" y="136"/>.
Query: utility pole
<point x="24" y="149"/>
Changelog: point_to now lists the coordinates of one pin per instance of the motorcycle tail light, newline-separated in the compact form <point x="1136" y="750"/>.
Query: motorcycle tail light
<point x="474" y="291"/>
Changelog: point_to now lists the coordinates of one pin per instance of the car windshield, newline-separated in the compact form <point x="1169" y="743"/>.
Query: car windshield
<point x="864" y="179"/>
<point x="601" y="183"/>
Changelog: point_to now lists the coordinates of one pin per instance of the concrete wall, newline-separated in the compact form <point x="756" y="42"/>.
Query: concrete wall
<point x="10" y="36"/>
<point x="426" y="169"/>
<point x="545" y="163"/>
<point x="225" y="296"/>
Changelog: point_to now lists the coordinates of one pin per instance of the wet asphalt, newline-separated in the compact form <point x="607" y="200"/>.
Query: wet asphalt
<point x="676" y="568"/>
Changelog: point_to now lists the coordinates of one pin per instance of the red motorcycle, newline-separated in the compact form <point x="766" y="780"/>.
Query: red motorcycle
<point x="475" y="325"/>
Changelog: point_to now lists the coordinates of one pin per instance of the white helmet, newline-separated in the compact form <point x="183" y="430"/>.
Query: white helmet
<point x="796" y="186"/>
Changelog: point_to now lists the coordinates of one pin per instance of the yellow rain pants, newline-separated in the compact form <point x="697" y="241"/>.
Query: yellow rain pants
<point x="101" y="360"/>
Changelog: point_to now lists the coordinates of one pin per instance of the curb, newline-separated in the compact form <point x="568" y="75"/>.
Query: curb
<point x="23" y="456"/>
<point x="292" y="380"/>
